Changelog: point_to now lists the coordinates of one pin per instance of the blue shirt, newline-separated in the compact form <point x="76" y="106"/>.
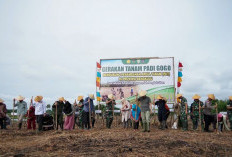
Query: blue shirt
<point x="86" y="105"/>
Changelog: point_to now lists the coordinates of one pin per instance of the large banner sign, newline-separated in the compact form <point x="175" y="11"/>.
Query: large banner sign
<point x="126" y="77"/>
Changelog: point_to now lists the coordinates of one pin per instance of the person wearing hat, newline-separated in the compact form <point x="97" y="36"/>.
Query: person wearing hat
<point x="161" y="111"/>
<point x="79" y="108"/>
<point x="194" y="111"/>
<point x="125" y="111"/>
<point x="3" y="116"/>
<point x="57" y="109"/>
<point x="88" y="110"/>
<point x="209" y="112"/>
<point x="110" y="103"/>
<point x="183" y="112"/>
<point x="40" y="111"/>
<point x="21" y="110"/>
<point x="146" y="109"/>
<point x="229" y="111"/>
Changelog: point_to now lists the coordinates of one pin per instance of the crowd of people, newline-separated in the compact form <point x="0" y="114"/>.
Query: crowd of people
<point x="133" y="114"/>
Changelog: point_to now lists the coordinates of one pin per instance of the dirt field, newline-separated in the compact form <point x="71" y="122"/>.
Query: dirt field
<point x="114" y="142"/>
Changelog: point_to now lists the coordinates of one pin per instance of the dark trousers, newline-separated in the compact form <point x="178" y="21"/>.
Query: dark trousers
<point x="76" y="121"/>
<point x="93" y="121"/>
<point x="136" y="125"/>
<point x="86" y="120"/>
<point x="208" y="120"/>
<point x="3" y="123"/>
<point x="162" y="115"/>
<point x="39" y="120"/>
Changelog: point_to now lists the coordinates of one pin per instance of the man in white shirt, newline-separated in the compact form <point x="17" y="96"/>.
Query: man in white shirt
<point x="40" y="111"/>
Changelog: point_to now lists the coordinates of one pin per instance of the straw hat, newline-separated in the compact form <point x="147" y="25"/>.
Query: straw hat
<point x="196" y="97"/>
<point x="20" y="98"/>
<point x="61" y="99"/>
<point x="159" y="97"/>
<point x="1" y="101"/>
<point x="38" y="98"/>
<point x="230" y="97"/>
<point x="91" y="96"/>
<point x="142" y="93"/>
<point x="111" y="96"/>
<point x="79" y="98"/>
<point x="179" y="95"/>
<point x="211" y="96"/>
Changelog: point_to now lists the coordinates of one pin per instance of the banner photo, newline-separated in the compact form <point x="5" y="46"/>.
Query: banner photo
<point x="125" y="77"/>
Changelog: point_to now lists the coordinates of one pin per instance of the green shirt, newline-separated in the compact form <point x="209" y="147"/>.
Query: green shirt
<point x="195" y="108"/>
<point x="182" y="106"/>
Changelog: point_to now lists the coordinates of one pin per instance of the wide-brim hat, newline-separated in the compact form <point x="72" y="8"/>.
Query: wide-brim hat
<point x="61" y="99"/>
<point x="20" y="98"/>
<point x="211" y="96"/>
<point x="179" y="95"/>
<point x="1" y="101"/>
<point x="111" y="96"/>
<point x="196" y="97"/>
<point x="159" y="97"/>
<point x="142" y="93"/>
<point x="38" y="98"/>
<point x="79" y="98"/>
<point x="91" y="96"/>
<point x="230" y="97"/>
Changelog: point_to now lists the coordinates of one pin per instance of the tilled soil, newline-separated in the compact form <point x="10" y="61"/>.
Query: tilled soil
<point x="114" y="142"/>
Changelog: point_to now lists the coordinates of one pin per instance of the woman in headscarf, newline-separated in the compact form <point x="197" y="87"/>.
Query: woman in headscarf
<point x="125" y="110"/>
<point x="69" y="119"/>
<point x="135" y="115"/>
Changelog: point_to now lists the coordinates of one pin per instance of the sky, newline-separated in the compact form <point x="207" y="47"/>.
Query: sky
<point x="50" y="48"/>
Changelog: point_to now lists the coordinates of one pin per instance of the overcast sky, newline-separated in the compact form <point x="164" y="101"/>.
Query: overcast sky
<point x="50" y="48"/>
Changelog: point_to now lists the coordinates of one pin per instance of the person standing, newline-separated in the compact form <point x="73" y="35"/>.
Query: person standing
<point x="40" y="111"/>
<point x="125" y="110"/>
<point x="69" y="112"/>
<point x="194" y="111"/>
<point x="229" y="111"/>
<point x="110" y="103"/>
<point x="80" y="106"/>
<point x="22" y="109"/>
<point x="88" y="110"/>
<point x="132" y="91"/>
<point x="3" y="112"/>
<point x="161" y="111"/>
<point x="57" y="109"/>
<point x="183" y="112"/>
<point x="31" y="118"/>
<point x="146" y="109"/>
<point x="209" y="113"/>
<point x="135" y="116"/>
<point x="176" y="115"/>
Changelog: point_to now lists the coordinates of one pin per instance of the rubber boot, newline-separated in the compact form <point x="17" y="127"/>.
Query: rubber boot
<point x="163" y="125"/>
<point x="144" y="127"/>
<point x="20" y="126"/>
<point x="160" y="126"/>
<point x="148" y="127"/>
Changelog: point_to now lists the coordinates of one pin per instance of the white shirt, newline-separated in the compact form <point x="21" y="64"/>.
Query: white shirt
<point x="40" y="107"/>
